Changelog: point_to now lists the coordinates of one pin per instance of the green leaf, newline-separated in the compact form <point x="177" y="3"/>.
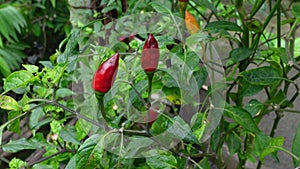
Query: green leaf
<point x="250" y="89"/>
<point x="1" y="132"/>
<point x="68" y="134"/>
<point x="52" y="76"/>
<point x="17" y="79"/>
<point x="204" y="163"/>
<point x="173" y="95"/>
<point x="15" y="125"/>
<point x="243" y="118"/>
<point x="13" y="55"/>
<point x="262" y="76"/>
<point x="281" y="53"/>
<point x="200" y="76"/>
<point x="46" y="64"/>
<point x="90" y="153"/>
<point x="64" y="92"/>
<point x="82" y="127"/>
<point x="161" y="8"/>
<point x="36" y="29"/>
<point x="42" y="166"/>
<point x="296" y="146"/>
<point x="276" y="55"/>
<point x="11" y="22"/>
<point x="169" y="81"/>
<point x="35" y="116"/>
<point x="198" y="125"/>
<point x="197" y="120"/>
<point x="181" y="130"/>
<point x="205" y="4"/>
<point x="8" y="103"/>
<point x="239" y="54"/>
<point x="199" y="132"/>
<point x="234" y="143"/>
<point x="254" y="107"/>
<point x="134" y="44"/>
<point x="137" y="145"/>
<point x="261" y="141"/>
<point x="23" y="103"/>
<point x="296" y="9"/>
<point x="159" y="159"/>
<point x="281" y="99"/>
<point x="164" y="41"/>
<point x="193" y="41"/>
<point x="218" y="26"/>
<point x="41" y="123"/>
<point x="31" y="68"/>
<point x="4" y="69"/>
<point x="191" y="59"/>
<point x="215" y="139"/>
<point x="120" y="47"/>
<point x="71" y="50"/>
<point x="72" y="163"/>
<point x="53" y="3"/>
<point x="37" y="142"/>
<point x="134" y="99"/>
<point x="254" y="25"/>
<point x="16" y="163"/>
<point x="159" y="126"/>
<point x="56" y="126"/>
<point x="273" y="143"/>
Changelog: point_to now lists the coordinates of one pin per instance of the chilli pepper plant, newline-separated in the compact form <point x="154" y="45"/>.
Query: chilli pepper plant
<point x="148" y="89"/>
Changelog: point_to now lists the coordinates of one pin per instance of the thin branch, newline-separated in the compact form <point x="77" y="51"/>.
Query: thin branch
<point x="54" y="103"/>
<point x="51" y="156"/>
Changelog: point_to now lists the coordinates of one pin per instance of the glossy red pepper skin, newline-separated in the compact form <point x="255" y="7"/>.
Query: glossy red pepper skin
<point x="150" y="55"/>
<point x="105" y="75"/>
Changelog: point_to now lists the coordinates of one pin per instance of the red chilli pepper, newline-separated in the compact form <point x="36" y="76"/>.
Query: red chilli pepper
<point x="150" y="55"/>
<point x="106" y="74"/>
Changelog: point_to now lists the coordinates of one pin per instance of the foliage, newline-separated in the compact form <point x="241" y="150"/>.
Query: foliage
<point x="190" y="131"/>
<point x="25" y="22"/>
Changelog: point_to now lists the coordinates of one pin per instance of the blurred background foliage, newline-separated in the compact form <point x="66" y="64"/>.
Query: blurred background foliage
<point x="25" y="28"/>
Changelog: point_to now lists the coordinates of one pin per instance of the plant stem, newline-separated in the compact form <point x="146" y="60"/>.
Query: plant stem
<point x="51" y="156"/>
<point x="19" y="116"/>
<point x="135" y="133"/>
<point x="279" y="115"/>
<point x="258" y="5"/>
<point x="242" y="161"/>
<point x="254" y="45"/>
<point x="136" y="91"/>
<point x="150" y="79"/>
<point x="54" y="103"/>
<point x="278" y="26"/>
<point x="201" y="14"/>
<point x="99" y="97"/>
<point x="245" y="42"/>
